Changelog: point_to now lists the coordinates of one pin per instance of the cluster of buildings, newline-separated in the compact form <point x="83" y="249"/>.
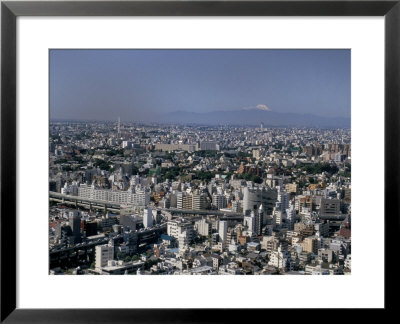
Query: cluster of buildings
<point x="171" y="199"/>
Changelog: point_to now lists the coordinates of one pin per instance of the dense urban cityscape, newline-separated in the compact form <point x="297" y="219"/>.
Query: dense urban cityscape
<point x="184" y="199"/>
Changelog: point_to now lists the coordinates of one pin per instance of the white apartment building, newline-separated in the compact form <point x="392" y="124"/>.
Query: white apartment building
<point x="138" y="197"/>
<point x="223" y="230"/>
<point x="202" y="227"/>
<point x="280" y="259"/>
<point x="104" y="253"/>
<point x="176" y="227"/>
<point x="147" y="218"/>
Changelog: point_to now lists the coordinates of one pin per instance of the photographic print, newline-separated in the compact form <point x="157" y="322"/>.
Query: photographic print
<point x="200" y="162"/>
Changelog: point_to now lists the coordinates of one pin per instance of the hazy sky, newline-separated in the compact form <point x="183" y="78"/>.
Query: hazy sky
<point x="140" y="84"/>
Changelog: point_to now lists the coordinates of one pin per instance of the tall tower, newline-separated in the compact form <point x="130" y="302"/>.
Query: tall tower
<point x="119" y="125"/>
<point x="223" y="230"/>
<point x="75" y="223"/>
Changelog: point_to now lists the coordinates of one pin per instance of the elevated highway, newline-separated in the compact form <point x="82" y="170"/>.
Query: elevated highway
<point x="115" y="207"/>
<point x="84" y="202"/>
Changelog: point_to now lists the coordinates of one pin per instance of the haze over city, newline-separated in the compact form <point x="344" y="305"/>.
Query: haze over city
<point x="205" y="86"/>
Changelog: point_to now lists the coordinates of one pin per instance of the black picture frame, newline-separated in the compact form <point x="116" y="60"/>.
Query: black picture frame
<point x="10" y="10"/>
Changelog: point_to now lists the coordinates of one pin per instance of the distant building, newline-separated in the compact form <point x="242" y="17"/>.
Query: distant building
<point x="176" y="147"/>
<point x="209" y="146"/>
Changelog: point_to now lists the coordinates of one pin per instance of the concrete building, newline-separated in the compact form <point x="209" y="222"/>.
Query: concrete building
<point x="310" y="244"/>
<point x="104" y="253"/>
<point x="281" y="259"/>
<point x="254" y="197"/>
<point x="223" y="230"/>
<point x="203" y="227"/>
<point x="176" y="227"/>
<point x="179" y="200"/>
<point x="219" y="201"/>
<point x="290" y="217"/>
<point x="330" y="208"/>
<point x="187" y="202"/>
<point x="135" y="197"/>
<point x="322" y="229"/>
<point x="269" y="243"/>
<point x="147" y="218"/>
<point x="75" y="223"/>
<point x="209" y="146"/>
<point x="199" y="201"/>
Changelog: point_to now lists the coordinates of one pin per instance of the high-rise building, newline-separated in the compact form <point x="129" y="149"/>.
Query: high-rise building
<point x="283" y="198"/>
<point x="254" y="221"/>
<point x="250" y="222"/>
<point x="223" y="230"/>
<point x="290" y="217"/>
<point x="181" y="230"/>
<point x="203" y="227"/>
<point x="176" y="227"/>
<point x="259" y="220"/>
<point x="147" y="218"/>
<point x="254" y="197"/>
<point x="187" y="202"/>
<point x="219" y="201"/>
<point x="75" y="223"/>
<point x="179" y="200"/>
<point x="104" y="253"/>
<point x="310" y="244"/>
<point x="330" y="208"/>
<point x="235" y="206"/>
<point x="199" y="201"/>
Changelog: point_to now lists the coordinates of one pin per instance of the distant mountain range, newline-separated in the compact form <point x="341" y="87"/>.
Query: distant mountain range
<point x="255" y="117"/>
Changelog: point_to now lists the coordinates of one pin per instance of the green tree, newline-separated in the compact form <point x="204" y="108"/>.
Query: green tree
<point x="135" y="257"/>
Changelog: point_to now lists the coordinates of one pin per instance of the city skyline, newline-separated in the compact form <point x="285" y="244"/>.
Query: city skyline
<point x="139" y="199"/>
<point x="212" y="162"/>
